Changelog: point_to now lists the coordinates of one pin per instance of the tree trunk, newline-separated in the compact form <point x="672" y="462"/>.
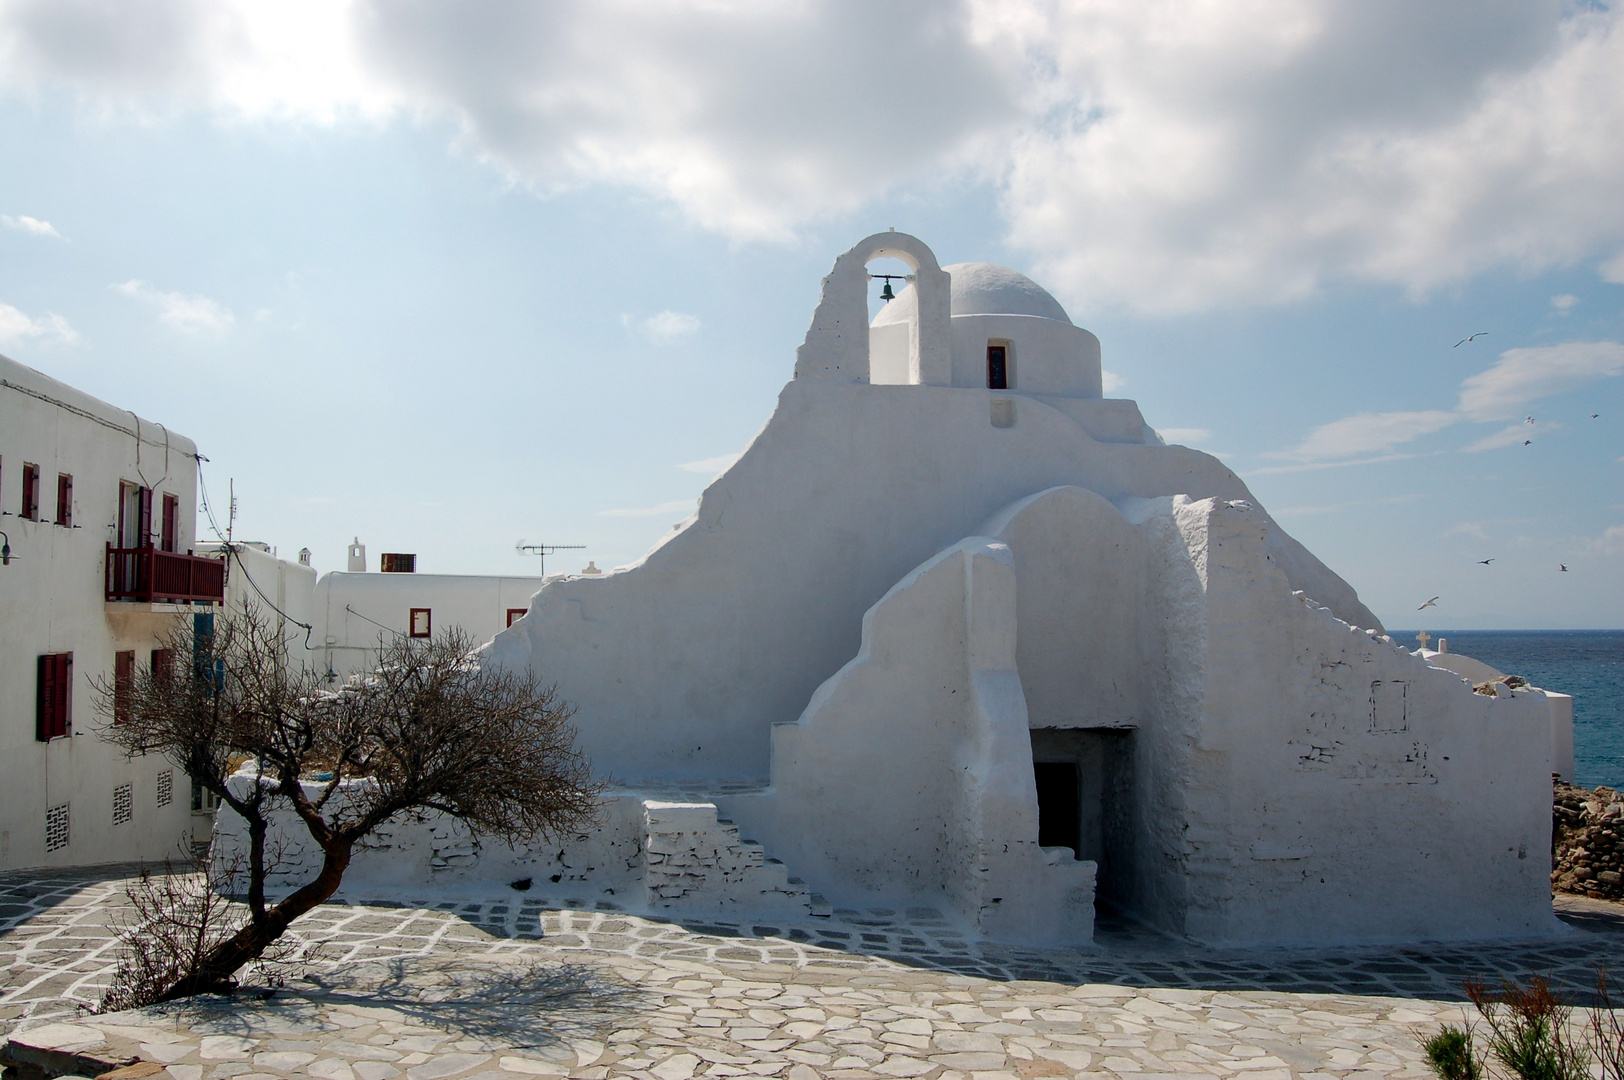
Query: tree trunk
<point x="216" y="974"/>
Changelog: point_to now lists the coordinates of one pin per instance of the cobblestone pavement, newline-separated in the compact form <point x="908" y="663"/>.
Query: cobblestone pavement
<point x="509" y="986"/>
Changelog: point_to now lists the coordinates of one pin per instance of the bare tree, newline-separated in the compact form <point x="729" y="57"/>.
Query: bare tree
<point x="432" y="729"/>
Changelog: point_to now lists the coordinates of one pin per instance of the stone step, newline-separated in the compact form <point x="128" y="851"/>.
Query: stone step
<point x="695" y="861"/>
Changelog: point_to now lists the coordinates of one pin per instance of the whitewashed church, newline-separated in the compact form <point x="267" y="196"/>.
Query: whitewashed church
<point x="957" y="630"/>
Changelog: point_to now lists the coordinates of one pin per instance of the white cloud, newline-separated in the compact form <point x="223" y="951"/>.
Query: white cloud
<point x="189" y="314"/>
<point x="17" y="328"/>
<point x="24" y="223"/>
<point x="669" y="326"/>
<point x="1522" y="376"/>
<point x="676" y="506"/>
<point x="1185" y="436"/>
<point x="711" y="465"/>
<point x="1111" y="382"/>
<point x="1368" y="433"/>
<point x="1472" y="529"/>
<point x="1564" y="304"/>
<point x="1610" y="543"/>
<point x="1149" y="154"/>
<point x="1613" y="269"/>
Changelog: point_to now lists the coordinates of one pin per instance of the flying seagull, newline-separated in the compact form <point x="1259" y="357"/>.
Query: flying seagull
<point x="1434" y="601"/>
<point x="1594" y="415"/>
<point x="1528" y="442"/>
<point x="1563" y="567"/>
<point x="1528" y="419"/>
<point x="1474" y="337"/>
<point x="1485" y="562"/>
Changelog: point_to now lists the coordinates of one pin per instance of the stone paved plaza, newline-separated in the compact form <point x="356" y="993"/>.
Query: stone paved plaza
<point x="507" y="986"/>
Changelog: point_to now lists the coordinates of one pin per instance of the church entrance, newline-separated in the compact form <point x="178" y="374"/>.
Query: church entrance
<point x="1085" y="794"/>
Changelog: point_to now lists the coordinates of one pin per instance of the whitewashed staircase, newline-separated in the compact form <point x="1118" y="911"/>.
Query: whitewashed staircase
<point x="697" y="863"/>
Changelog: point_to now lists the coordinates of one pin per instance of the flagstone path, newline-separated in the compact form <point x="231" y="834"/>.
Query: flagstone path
<point x="509" y="987"/>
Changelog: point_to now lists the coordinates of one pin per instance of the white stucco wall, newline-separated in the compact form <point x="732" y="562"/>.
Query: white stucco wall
<point x="52" y="599"/>
<point x="347" y="609"/>
<point x="909" y="776"/>
<point x="1309" y="782"/>
<point x="681" y="664"/>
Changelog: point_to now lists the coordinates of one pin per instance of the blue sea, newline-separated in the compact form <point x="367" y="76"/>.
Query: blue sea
<point x="1589" y="664"/>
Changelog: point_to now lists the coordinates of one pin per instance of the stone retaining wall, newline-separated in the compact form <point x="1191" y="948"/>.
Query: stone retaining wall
<point x="1586" y="857"/>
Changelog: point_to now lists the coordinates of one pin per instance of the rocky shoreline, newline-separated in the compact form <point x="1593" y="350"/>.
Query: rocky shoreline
<point x="1586" y="857"/>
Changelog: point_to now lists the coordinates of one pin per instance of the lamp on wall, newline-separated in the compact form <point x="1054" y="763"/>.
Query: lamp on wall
<point x="5" y="549"/>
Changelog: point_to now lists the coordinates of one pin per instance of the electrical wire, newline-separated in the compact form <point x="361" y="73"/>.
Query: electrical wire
<point x="231" y="552"/>
<point x="374" y="622"/>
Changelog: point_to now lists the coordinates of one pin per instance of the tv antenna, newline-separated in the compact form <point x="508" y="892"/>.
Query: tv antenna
<point x="544" y="550"/>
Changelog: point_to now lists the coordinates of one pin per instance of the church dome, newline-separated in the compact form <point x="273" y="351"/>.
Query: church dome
<point x="982" y="289"/>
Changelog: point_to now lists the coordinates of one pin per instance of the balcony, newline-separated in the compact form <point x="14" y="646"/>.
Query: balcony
<point x="146" y="575"/>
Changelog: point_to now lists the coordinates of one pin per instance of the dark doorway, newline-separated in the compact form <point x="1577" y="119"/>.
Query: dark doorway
<point x="1085" y="801"/>
<point x="1059" y="813"/>
<point x="997" y="367"/>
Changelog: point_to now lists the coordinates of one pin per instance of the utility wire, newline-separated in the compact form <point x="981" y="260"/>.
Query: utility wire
<point x="374" y="622"/>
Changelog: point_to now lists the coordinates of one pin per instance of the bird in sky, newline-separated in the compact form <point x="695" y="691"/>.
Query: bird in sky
<point x="1594" y="415"/>
<point x="1431" y="603"/>
<point x="1528" y="442"/>
<point x="1563" y="567"/>
<point x="1528" y="419"/>
<point x="1485" y="562"/>
<point x="1474" y="337"/>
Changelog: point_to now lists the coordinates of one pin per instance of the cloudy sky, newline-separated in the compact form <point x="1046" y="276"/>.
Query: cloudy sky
<point x="448" y="276"/>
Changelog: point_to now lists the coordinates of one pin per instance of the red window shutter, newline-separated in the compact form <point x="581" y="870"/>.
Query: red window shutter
<point x="161" y="666"/>
<point x="45" y="698"/>
<point x="30" y="507"/>
<point x="123" y="679"/>
<point x="171" y="522"/>
<point x="54" y="698"/>
<point x="145" y="538"/>
<point x="64" y="500"/>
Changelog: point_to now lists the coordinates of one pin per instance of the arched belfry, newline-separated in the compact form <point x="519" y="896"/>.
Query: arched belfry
<point x="836" y="345"/>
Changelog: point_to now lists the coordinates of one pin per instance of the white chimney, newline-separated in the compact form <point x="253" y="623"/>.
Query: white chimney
<point x="358" y="557"/>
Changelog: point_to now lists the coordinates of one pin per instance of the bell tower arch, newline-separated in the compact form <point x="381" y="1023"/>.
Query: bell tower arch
<point x="836" y="345"/>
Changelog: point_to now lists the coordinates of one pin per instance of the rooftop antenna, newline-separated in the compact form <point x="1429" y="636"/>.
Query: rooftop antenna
<point x="231" y="510"/>
<point x="544" y="550"/>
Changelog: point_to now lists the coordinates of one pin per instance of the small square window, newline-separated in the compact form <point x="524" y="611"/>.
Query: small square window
<point x="515" y="614"/>
<point x="419" y="625"/>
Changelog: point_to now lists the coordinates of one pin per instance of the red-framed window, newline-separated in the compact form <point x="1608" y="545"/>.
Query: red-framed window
<point x="30" y="508"/>
<point x="419" y="623"/>
<point x="997" y="367"/>
<point x="123" y="680"/>
<point x="170" y="536"/>
<point x="516" y="613"/>
<point x="64" y="500"/>
<point x="53" y="707"/>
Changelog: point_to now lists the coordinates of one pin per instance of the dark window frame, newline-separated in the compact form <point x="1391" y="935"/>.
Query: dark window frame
<point x="53" y="697"/>
<point x="428" y="622"/>
<point x="514" y="614"/>
<point x="999" y="365"/>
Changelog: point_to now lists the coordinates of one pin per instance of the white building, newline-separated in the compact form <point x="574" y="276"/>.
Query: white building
<point x="98" y="507"/>
<point x="957" y="630"/>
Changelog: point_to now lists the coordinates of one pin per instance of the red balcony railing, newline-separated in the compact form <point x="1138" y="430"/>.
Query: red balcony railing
<point x="150" y="576"/>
